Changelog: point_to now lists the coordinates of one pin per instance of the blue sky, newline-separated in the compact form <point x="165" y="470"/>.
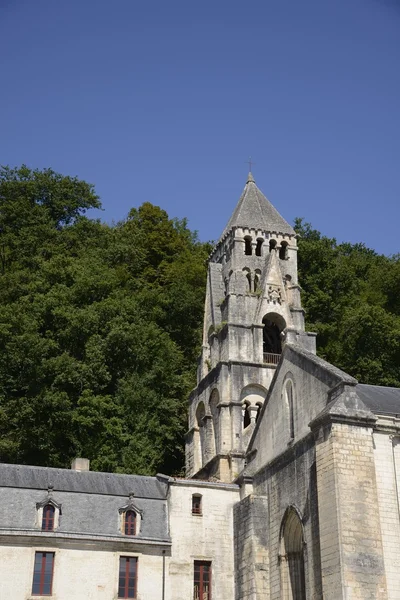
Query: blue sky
<point x="164" y="102"/>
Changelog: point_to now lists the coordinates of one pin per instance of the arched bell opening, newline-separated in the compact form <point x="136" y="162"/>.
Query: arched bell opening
<point x="248" y="248"/>
<point x="272" y="245"/>
<point x="283" y="253"/>
<point x="259" y="246"/>
<point x="273" y="324"/>
<point x="291" y="557"/>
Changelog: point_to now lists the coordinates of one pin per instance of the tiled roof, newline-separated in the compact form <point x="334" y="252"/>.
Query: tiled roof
<point x="254" y="210"/>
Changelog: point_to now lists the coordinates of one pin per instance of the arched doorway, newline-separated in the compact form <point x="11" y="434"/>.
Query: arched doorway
<point x="291" y="556"/>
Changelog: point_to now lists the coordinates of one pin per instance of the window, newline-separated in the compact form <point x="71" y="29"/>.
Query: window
<point x="260" y="242"/>
<point x="48" y="518"/>
<point x="272" y="245"/>
<point x="43" y="574"/>
<point x="289" y="400"/>
<point x="202" y="580"/>
<point x="130" y="523"/>
<point x="196" y="504"/>
<point x="283" y="251"/>
<point x="248" y="250"/>
<point x="291" y="557"/>
<point x="127" y="577"/>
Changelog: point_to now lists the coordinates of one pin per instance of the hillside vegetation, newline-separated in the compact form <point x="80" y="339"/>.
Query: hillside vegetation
<point x="100" y="325"/>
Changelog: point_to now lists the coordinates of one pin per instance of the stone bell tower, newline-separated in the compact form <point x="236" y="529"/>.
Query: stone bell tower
<point x="252" y="308"/>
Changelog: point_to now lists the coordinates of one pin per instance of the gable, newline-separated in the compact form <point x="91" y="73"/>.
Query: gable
<point x="311" y="378"/>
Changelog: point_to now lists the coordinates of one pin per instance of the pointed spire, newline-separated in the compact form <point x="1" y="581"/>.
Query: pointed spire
<point x="255" y="211"/>
<point x="250" y="178"/>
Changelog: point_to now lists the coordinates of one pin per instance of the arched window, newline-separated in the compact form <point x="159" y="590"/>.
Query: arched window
<point x="48" y="517"/>
<point x="272" y="245"/>
<point x="130" y="523"/>
<point x="246" y="271"/>
<point x="260" y="242"/>
<point x="283" y="251"/>
<point x="289" y="400"/>
<point x="248" y="249"/>
<point x="271" y="337"/>
<point x="197" y="504"/>
<point x="246" y="415"/>
<point x="200" y="419"/>
<point x="291" y="557"/>
<point x="257" y="275"/>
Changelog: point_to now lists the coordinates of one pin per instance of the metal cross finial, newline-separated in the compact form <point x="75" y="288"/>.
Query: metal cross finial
<point x="250" y="163"/>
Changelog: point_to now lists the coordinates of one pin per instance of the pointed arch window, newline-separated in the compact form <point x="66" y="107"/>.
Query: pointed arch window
<point x="48" y="517"/>
<point x="291" y="557"/>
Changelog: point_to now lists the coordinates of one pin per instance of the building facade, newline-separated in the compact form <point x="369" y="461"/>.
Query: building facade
<point x="293" y="467"/>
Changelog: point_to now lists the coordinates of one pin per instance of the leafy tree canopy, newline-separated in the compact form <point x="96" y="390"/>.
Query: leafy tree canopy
<point x="352" y="300"/>
<point x="100" y="325"/>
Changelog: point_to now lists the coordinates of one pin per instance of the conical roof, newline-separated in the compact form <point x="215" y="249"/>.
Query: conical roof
<point x="255" y="211"/>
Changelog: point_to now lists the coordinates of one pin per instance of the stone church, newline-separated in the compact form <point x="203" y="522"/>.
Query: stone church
<point x="292" y="466"/>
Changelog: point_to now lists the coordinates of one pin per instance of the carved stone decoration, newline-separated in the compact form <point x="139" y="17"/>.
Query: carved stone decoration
<point x="274" y="294"/>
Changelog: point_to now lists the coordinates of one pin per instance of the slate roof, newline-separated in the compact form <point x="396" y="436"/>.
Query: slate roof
<point x="88" y="482"/>
<point x="254" y="210"/>
<point x="380" y="399"/>
<point x="90" y="502"/>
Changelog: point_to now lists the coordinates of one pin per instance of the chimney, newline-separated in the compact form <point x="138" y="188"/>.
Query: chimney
<point x="80" y="464"/>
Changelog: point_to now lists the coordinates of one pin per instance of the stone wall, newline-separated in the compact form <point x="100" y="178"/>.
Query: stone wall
<point x="290" y="480"/>
<point x="387" y="460"/>
<point x="251" y="548"/>
<point x="79" y="574"/>
<point x="351" y="544"/>
<point x="208" y="536"/>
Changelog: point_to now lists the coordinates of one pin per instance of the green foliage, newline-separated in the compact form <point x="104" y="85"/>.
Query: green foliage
<point x="352" y="300"/>
<point x="100" y="325"/>
<point x="99" y="328"/>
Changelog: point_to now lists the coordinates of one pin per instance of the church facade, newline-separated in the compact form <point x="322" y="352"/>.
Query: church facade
<point x="292" y="488"/>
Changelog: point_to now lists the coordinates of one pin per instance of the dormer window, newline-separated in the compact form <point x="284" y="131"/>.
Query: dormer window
<point x="130" y="518"/>
<point x="48" y="517"/>
<point x="130" y="523"/>
<point x="48" y="512"/>
<point x="197" y="504"/>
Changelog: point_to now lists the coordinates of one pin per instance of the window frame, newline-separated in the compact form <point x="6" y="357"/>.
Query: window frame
<point x="201" y="564"/>
<point x="289" y="396"/>
<point x="197" y="511"/>
<point x="128" y="524"/>
<point x="126" y="585"/>
<point x="48" y="524"/>
<point x="42" y="572"/>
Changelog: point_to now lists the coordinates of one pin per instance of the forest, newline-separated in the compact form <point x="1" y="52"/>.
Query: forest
<point x="100" y="325"/>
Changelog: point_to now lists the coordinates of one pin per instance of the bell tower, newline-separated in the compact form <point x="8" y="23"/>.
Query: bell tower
<point x="252" y="308"/>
